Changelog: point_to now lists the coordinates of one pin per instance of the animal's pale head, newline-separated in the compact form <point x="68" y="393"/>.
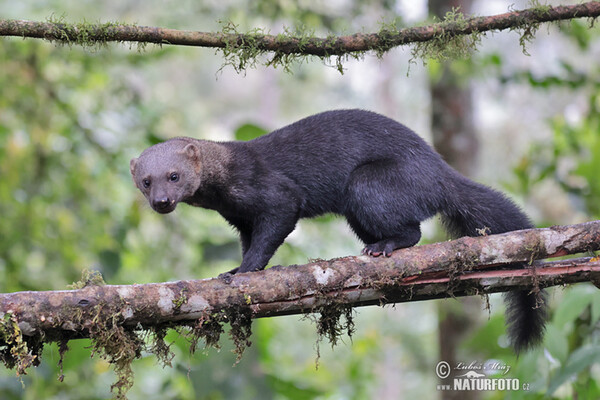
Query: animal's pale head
<point x="167" y="173"/>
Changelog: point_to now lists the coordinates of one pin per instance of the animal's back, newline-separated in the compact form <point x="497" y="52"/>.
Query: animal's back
<point x="320" y="152"/>
<point x="359" y="135"/>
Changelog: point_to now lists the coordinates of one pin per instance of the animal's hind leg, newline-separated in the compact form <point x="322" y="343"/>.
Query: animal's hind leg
<point x="409" y="236"/>
<point x="362" y="233"/>
<point x="378" y="245"/>
<point x="380" y="211"/>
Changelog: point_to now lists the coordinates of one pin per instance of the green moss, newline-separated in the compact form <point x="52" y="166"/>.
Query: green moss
<point x="63" y="347"/>
<point x="116" y="344"/>
<point x="17" y="351"/>
<point x="240" y="320"/>
<point x="332" y="326"/>
<point x="241" y="51"/>
<point x="247" y="50"/>
<point x="210" y="327"/>
<point x="386" y="35"/>
<point x="88" y="278"/>
<point x="301" y="36"/>
<point x="445" y="45"/>
<point x="251" y="49"/>
<point x="85" y="34"/>
<point x="180" y="300"/>
<point x="159" y="347"/>
<point x="528" y="27"/>
<point x="539" y="8"/>
<point x="335" y="320"/>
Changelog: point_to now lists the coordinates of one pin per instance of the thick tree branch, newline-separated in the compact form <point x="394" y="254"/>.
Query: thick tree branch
<point x="116" y="317"/>
<point x="454" y="25"/>
<point x="461" y="267"/>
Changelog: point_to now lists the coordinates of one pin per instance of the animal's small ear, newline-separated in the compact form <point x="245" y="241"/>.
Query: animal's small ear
<point x="192" y="151"/>
<point x="132" y="165"/>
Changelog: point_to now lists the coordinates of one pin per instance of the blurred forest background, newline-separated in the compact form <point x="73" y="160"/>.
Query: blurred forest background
<point x="71" y="118"/>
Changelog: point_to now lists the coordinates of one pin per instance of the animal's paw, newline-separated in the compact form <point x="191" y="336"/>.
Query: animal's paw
<point x="226" y="277"/>
<point x="384" y="247"/>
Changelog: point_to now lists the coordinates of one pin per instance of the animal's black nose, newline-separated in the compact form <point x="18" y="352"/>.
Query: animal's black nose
<point x="162" y="203"/>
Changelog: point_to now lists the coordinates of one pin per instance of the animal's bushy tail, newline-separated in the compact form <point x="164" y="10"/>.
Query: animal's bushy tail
<point x="526" y="314"/>
<point x="473" y="210"/>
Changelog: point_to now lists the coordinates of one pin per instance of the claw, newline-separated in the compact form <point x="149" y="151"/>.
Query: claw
<point x="369" y="252"/>
<point x="226" y="277"/>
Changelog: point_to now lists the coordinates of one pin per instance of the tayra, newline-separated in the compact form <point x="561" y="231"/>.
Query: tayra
<point x="371" y="169"/>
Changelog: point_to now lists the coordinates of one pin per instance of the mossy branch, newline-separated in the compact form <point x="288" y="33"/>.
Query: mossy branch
<point x="357" y="280"/>
<point x="242" y="49"/>
<point x="118" y="318"/>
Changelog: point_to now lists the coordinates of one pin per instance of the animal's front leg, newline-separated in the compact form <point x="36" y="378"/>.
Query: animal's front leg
<point x="267" y="234"/>
<point x="266" y="238"/>
<point x="245" y="240"/>
<point x="244" y="228"/>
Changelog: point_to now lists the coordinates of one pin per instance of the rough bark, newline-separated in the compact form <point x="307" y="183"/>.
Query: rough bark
<point x="453" y="268"/>
<point x="382" y="41"/>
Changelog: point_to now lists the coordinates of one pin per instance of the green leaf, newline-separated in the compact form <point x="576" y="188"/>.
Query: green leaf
<point x="485" y="339"/>
<point x="587" y="389"/>
<point x="110" y="260"/>
<point x="579" y="360"/>
<point x="595" y="308"/>
<point x="557" y="344"/>
<point x="291" y="390"/>
<point x="580" y="33"/>
<point x="574" y="302"/>
<point x="153" y="139"/>
<point x="248" y="132"/>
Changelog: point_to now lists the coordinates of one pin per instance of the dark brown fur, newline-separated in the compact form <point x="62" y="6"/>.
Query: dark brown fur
<point x="374" y="171"/>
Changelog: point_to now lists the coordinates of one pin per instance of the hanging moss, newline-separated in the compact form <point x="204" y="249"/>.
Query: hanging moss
<point x="18" y="351"/>
<point x="116" y="344"/>
<point x="335" y="320"/>
<point x="241" y="50"/>
<point x="240" y="320"/>
<point x="210" y="327"/>
<point x="446" y="44"/>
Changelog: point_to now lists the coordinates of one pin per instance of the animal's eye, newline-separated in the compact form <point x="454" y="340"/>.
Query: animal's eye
<point x="146" y="183"/>
<point x="174" y="177"/>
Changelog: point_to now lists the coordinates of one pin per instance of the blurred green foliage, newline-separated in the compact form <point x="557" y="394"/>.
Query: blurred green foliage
<point x="571" y="159"/>
<point x="570" y="163"/>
